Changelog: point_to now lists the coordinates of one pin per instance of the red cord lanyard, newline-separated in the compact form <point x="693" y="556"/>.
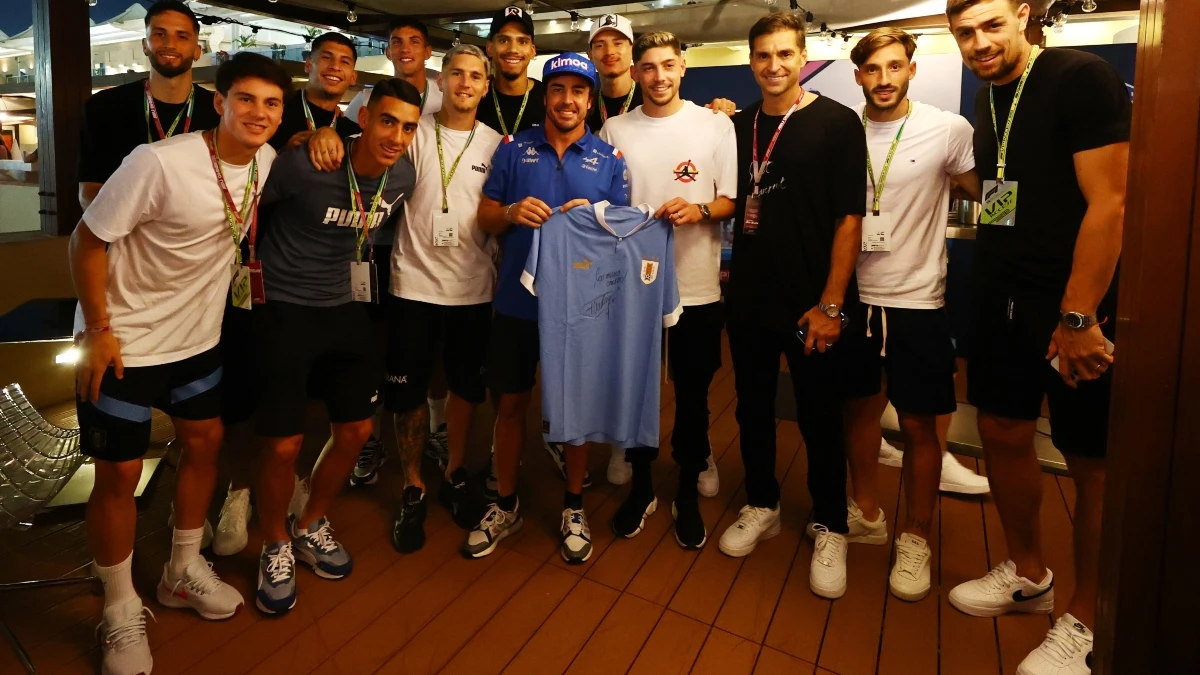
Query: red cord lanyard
<point x="152" y="111"/>
<point x="365" y="235"/>
<point x="233" y="216"/>
<point x="757" y="168"/>
<point x="308" y="118"/>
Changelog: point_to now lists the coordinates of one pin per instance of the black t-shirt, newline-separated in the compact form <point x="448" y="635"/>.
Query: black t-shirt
<point x="612" y="106"/>
<point x="114" y="123"/>
<point x="294" y="121"/>
<point x="1072" y="101"/>
<point x="814" y="178"/>
<point x="535" y="108"/>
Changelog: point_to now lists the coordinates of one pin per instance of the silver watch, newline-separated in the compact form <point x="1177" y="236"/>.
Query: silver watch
<point x="831" y="310"/>
<point x="1077" y="321"/>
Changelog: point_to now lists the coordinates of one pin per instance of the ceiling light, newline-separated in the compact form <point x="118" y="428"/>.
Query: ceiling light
<point x="1089" y="5"/>
<point x="457" y="38"/>
<point x="575" y="21"/>
<point x="846" y="41"/>
<point x="1060" y="22"/>
<point x="92" y="3"/>
<point x="529" y="7"/>
<point x="351" y="15"/>
<point x="587" y="24"/>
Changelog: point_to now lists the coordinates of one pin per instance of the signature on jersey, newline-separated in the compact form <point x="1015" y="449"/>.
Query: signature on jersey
<point x="600" y="305"/>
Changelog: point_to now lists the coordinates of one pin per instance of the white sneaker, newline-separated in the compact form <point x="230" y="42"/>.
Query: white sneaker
<point x="230" y="537"/>
<point x="753" y="525"/>
<point x="862" y="531"/>
<point x="1067" y="650"/>
<point x="709" y="483"/>
<point x="827" y="573"/>
<point x="958" y="478"/>
<point x="299" y="497"/>
<point x="205" y="539"/>
<point x="889" y="455"/>
<point x="123" y="643"/>
<point x="1002" y="591"/>
<point x="620" y="472"/>
<point x="910" y="573"/>
<point x="201" y="589"/>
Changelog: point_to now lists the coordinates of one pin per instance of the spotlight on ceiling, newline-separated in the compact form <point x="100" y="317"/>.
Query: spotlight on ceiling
<point x="351" y="15"/>
<point x="1089" y="6"/>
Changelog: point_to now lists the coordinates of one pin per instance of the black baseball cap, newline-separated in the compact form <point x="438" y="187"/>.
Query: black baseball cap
<point x="511" y="13"/>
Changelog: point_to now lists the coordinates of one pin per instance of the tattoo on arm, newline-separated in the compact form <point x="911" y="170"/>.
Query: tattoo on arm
<point x="412" y="428"/>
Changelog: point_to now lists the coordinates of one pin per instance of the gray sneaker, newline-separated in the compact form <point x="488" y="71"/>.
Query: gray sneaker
<point x="320" y="551"/>
<point x="276" y="579"/>
<point x="496" y="525"/>
<point x="437" y="447"/>
<point x="370" y="459"/>
<point x="576" y="545"/>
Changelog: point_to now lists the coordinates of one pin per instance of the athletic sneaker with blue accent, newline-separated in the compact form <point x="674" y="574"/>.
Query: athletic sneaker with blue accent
<point x="576" y="546"/>
<point x="495" y="525"/>
<point x="276" y="579"/>
<point x="319" y="550"/>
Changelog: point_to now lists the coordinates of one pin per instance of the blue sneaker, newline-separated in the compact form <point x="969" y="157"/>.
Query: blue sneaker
<point x="320" y="551"/>
<point x="276" y="579"/>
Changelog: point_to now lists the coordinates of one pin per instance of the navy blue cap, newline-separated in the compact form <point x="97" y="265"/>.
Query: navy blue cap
<point x="570" y="63"/>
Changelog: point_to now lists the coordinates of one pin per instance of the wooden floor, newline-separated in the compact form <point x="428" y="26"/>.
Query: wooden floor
<point x="638" y="606"/>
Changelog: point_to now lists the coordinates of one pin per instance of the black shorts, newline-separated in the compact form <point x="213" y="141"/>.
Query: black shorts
<point x="513" y="354"/>
<point x="116" y="428"/>
<point x="912" y="347"/>
<point x="1008" y="375"/>
<point x="415" y="329"/>
<point x="336" y="345"/>
<point x="238" y="362"/>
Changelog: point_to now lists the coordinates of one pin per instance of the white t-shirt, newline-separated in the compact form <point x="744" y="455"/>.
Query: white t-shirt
<point x="170" y="251"/>
<point x="691" y="154"/>
<point x="935" y="146"/>
<point x="433" y="98"/>
<point x="446" y="275"/>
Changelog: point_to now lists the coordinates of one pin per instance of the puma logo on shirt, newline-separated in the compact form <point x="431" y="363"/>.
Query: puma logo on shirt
<point x="353" y="217"/>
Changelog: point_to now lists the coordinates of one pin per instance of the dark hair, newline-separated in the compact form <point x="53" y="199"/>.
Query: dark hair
<point x="172" y="6"/>
<point x="880" y="38"/>
<point x="245" y="65"/>
<point x="407" y="22"/>
<point x="777" y="23"/>
<point x="956" y="7"/>
<point x="397" y="88"/>
<point x="336" y="38"/>
<point x="650" y="41"/>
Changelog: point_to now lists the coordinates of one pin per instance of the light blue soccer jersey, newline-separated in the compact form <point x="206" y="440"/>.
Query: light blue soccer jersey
<point x="605" y="280"/>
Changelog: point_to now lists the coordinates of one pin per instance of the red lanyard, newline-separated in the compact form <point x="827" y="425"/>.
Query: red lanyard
<point x="757" y="168"/>
<point x="249" y="210"/>
<point x="152" y="111"/>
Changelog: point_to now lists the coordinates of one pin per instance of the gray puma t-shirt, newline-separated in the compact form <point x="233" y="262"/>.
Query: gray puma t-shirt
<point x="308" y="226"/>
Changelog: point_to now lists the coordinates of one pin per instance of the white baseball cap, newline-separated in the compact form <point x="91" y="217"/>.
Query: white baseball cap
<point x="611" y="22"/>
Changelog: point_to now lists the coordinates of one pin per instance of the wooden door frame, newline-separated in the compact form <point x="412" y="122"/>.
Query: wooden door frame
<point x="1145" y="619"/>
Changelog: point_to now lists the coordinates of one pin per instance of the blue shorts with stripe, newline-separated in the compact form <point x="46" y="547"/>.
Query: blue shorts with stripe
<point x="116" y="428"/>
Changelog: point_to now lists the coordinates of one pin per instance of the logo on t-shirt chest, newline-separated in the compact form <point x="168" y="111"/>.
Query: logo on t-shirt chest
<point x="353" y="217"/>
<point x="686" y="171"/>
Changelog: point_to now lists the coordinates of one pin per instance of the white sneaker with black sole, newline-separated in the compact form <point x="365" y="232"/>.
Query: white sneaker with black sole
<point x="576" y="546"/>
<point x="754" y="524"/>
<point x="827" y="572"/>
<point x="371" y="458"/>
<point x="1067" y="650"/>
<point x="909" y="579"/>
<point x="862" y="531"/>
<point x="1001" y="591"/>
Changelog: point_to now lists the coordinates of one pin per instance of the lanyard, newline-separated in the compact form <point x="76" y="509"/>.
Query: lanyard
<point x="1012" y="113"/>
<point x="423" y="95"/>
<point x="759" y="168"/>
<point x="151" y="110"/>
<point x="365" y="217"/>
<point x="233" y="216"/>
<point x="446" y="178"/>
<point x="887" y="164"/>
<point x="624" y="106"/>
<point x="312" y="124"/>
<point x="500" y="115"/>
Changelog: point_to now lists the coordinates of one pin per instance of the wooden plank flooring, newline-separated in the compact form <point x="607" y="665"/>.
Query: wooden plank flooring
<point x="638" y="606"/>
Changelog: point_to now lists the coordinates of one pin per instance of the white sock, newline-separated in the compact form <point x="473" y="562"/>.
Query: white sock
<point x="437" y="413"/>
<point x="117" y="581"/>
<point x="185" y="547"/>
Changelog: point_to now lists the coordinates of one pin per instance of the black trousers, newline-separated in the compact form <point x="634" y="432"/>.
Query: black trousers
<point x="693" y="356"/>
<point x="815" y="380"/>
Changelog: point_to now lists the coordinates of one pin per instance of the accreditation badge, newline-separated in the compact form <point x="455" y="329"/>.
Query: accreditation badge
<point x="258" y="291"/>
<point x="750" y="220"/>
<point x="999" y="203"/>
<point x="363" y="282"/>
<point x="877" y="233"/>
<point x="239" y="286"/>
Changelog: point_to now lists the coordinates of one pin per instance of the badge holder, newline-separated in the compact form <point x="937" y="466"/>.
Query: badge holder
<point x="999" y="203"/>
<point x="445" y="228"/>
<point x="750" y="221"/>
<point x="364" y="282"/>
<point x="877" y="233"/>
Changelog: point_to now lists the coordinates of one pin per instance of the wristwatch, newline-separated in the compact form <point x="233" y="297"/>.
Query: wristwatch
<point x="705" y="212"/>
<point x="832" y="311"/>
<point x="1077" y="321"/>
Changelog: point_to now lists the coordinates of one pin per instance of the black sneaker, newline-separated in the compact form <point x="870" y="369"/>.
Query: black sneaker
<point x="631" y="517"/>
<point x="555" y="450"/>
<point x="437" y="447"/>
<point x="370" y="459"/>
<point x="690" y="532"/>
<point x="456" y="497"/>
<point x="408" y="532"/>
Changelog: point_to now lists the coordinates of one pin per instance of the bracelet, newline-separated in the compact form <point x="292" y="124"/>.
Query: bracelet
<point x="99" y="329"/>
<point x="508" y="211"/>
<point x="103" y="319"/>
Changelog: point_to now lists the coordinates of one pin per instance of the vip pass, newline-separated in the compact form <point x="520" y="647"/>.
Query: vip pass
<point x="151" y="110"/>
<point x="356" y="201"/>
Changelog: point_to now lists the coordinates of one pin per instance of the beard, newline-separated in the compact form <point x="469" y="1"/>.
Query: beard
<point x="566" y="127"/>
<point x="666" y="97"/>
<point x="901" y="93"/>
<point x="1005" y="69"/>
<point x="167" y="70"/>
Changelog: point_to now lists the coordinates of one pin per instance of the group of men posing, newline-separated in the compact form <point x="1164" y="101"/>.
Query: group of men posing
<point x="223" y="283"/>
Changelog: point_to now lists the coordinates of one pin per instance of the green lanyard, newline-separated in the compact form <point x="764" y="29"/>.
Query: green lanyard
<point x="624" y="106"/>
<point x="312" y="124"/>
<point x="887" y="164"/>
<point x="500" y="115"/>
<point x="446" y="178"/>
<point x="1012" y="113"/>
<point x="356" y="201"/>
<point x="235" y="218"/>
